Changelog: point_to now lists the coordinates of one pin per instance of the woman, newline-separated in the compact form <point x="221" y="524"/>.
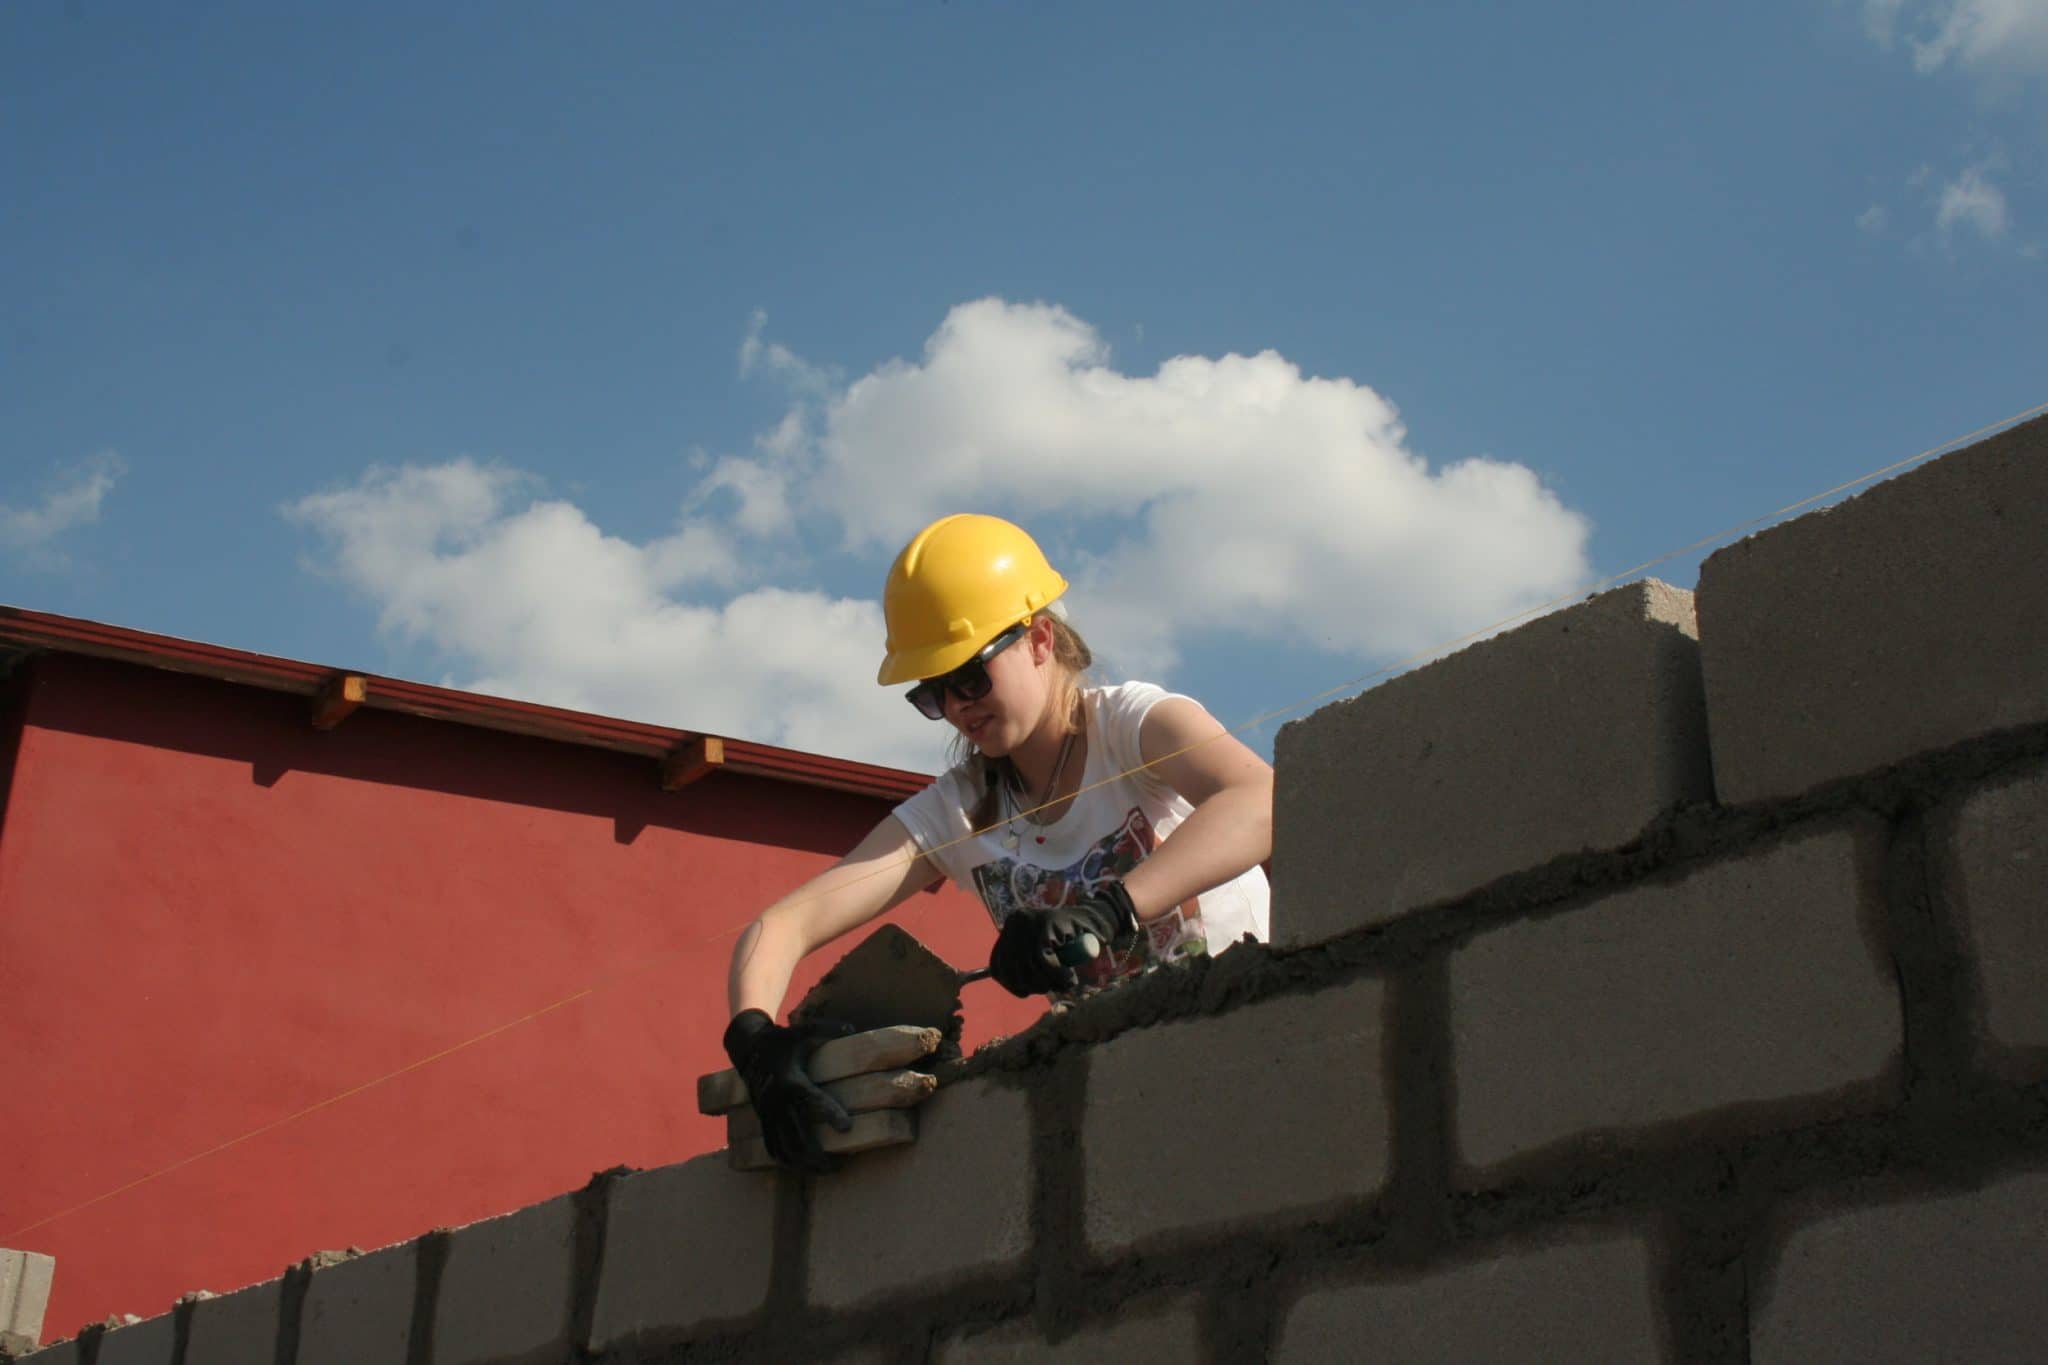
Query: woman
<point x="1055" y="814"/>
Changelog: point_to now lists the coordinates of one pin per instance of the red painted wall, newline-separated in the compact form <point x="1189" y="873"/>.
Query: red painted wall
<point x="213" y="917"/>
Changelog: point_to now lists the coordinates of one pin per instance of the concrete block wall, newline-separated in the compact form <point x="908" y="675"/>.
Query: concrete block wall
<point x="24" y="1295"/>
<point x="1661" y="981"/>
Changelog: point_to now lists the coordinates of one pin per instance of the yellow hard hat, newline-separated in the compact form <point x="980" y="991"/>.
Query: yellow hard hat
<point x="959" y="583"/>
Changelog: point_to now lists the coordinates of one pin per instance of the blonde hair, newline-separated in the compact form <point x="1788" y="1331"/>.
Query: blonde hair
<point x="1071" y="659"/>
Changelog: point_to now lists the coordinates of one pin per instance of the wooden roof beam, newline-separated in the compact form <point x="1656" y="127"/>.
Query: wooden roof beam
<point x="693" y="760"/>
<point x="338" y="698"/>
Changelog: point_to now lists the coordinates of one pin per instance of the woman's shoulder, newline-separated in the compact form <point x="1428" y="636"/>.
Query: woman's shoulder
<point x="1117" y="713"/>
<point x="1126" y="701"/>
<point x="954" y="782"/>
<point x="947" y="787"/>
<point x="1110" y="694"/>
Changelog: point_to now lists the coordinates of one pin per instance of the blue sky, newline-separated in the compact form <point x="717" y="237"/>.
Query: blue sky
<point x="603" y="355"/>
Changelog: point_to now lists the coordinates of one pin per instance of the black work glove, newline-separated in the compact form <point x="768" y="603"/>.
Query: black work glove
<point x="1039" y="950"/>
<point x="770" y="1059"/>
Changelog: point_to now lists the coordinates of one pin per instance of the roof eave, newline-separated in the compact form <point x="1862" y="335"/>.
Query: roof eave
<point x="22" y="629"/>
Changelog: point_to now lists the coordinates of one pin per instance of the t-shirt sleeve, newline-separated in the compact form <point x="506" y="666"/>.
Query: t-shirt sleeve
<point x="937" y="821"/>
<point x="1122" y="717"/>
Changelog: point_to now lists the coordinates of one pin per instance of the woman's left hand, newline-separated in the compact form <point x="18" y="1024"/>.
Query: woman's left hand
<point x="1039" y="949"/>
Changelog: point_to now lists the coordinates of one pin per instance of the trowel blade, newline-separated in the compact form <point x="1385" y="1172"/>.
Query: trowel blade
<point x="890" y="978"/>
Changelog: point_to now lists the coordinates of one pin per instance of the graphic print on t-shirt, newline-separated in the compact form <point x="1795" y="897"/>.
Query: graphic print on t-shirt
<point x="1007" y="884"/>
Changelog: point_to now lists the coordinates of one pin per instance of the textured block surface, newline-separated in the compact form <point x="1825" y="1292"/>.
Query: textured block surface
<point x="58" y="1353"/>
<point x="1586" y="1302"/>
<point x="683" y="1246"/>
<point x="912" y="1219"/>
<point x="1901" y="620"/>
<point x="1571" y="732"/>
<point x="1954" y="1278"/>
<point x="25" y="1279"/>
<point x="1750" y="979"/>
<point x="237" y="1329"/>
<point x="146" y="1343"/>
<point x="506" y="1288"/>
<point x="1994" y="876"/>
<point x="864" y="1355"/>
<point x="360" y="1311"/>
<point x="1169" y="1334"/>
<point x="1274" y="1108"/>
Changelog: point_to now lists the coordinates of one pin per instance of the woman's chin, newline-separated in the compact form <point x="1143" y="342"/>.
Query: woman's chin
<point x="986" y="739"/>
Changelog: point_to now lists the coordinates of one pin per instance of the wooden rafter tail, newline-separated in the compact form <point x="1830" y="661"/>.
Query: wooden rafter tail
<point x="693" y="760"/>
<point x="338" y="698"/>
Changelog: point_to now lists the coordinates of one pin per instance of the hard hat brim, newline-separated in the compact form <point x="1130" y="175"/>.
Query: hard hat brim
<point x="915" y="665"/>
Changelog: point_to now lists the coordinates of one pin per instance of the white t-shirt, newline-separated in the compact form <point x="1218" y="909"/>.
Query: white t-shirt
<point x="1120" y="816"/>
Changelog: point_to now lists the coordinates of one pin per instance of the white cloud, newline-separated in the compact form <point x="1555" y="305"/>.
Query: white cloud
<point x="74" y="500"/>
<point x="1881" y="19"/>
<point x="532" y="600"/>
<point x="1971" y="201"/>
<point x="761" y="494"/>
<point x="1986" y="36"/>
<point x="1231" y="496"/>
<point x="777" y="361"/>
<point x="1873" y="220"/>
<point x="1243" y="496"/>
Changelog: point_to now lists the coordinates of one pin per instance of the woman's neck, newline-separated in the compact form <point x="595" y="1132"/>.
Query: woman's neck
<point x="1037" y="759"/>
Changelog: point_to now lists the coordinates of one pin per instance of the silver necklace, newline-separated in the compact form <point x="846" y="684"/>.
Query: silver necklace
<point x="1059" y="768"/>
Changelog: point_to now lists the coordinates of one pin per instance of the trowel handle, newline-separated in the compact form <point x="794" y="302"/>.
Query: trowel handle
<point x="1079" y="951"/>
<point x="1075" y="952"/>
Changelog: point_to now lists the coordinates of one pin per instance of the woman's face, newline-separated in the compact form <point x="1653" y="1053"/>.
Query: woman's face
<point x="1019" y="678"/>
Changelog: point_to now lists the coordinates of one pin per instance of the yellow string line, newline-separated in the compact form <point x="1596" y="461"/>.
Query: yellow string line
<point x="1256" y="721"/>
<point x="309" y="1109"/>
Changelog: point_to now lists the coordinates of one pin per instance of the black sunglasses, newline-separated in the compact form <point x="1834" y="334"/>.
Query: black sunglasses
<point x="968" y="682"/>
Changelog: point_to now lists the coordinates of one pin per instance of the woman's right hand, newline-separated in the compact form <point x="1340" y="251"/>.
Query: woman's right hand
<point x="1038" y="950"/>
<point x="789" y="1104"/>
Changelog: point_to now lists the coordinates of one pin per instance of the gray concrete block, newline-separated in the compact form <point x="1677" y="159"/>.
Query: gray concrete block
<point x="1954" y="1278"/>
<point x="685" y="1246"/>
<point x="1992" y="866"/>
<point x="359" y="1312"/>
<point x="508" y="1288"/>
<point x="151" y="1342"/>
<point x="1905" y="619"/>
<point x="237" y="1329"/>
<point x="868" y="1355"/>
<point x="1168" y="1333"/>
<point x="1569" y="733"/>
<point x="954" y="1205"/>
<point x="1748" y="980"/>
<point x="58" y="1353"/>
<point x="1278" y="1108"/>
<point x="1585" y="1302"/>
<point x="25" y="1279"/>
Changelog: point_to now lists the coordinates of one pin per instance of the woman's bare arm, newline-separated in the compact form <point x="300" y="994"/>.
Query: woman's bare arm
<point x="883" y="870"/>
<point x="1231" y="789"/>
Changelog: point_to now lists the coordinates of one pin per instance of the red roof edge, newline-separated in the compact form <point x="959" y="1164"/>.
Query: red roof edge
<point x="35" y="630"/>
